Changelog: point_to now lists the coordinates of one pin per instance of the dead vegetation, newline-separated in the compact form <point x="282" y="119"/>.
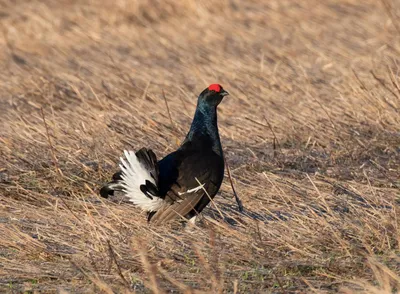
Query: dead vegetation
<point x="310" y="131"/>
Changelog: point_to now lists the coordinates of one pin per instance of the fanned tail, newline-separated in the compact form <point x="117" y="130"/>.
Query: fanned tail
<point x="138" y="178"/>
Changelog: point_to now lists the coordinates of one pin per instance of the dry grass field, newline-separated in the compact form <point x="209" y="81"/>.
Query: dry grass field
<point x="311" y="132"/>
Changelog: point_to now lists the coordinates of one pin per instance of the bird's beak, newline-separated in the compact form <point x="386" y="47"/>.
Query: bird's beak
<point x="224" y="93"/>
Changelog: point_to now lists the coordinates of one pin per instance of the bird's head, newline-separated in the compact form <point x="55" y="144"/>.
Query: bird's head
<point x="212" y="95"/>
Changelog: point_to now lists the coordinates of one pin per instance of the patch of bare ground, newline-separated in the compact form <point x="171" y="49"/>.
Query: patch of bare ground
<point x="310" y="131"/>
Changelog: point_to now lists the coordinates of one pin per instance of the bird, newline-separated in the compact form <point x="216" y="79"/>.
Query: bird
<point x="181" y="184"/>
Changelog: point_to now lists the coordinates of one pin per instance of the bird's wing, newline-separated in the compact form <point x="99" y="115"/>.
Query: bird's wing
<point x="178" y="209"/>
<point x="195" y="175"/>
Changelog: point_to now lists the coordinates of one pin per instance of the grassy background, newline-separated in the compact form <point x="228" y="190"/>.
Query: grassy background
<point x="310" y="131"/>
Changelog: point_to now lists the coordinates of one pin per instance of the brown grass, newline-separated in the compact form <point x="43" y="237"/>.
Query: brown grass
<point x="310" y="131"/>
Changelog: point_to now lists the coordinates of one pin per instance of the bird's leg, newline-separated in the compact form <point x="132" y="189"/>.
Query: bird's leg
<point x="192" y="221"/>
<point x="191" y="224"/>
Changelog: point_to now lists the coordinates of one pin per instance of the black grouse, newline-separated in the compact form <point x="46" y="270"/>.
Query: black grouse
<point x="182" y="183"/>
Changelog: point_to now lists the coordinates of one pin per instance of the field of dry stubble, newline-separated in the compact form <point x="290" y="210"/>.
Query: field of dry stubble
<point x="310" y="131"/>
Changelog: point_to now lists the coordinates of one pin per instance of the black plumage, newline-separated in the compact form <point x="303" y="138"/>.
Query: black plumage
<point x="187" y="178"/>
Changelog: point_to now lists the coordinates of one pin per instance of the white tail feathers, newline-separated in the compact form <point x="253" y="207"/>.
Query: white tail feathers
<point x="134" y="174"/>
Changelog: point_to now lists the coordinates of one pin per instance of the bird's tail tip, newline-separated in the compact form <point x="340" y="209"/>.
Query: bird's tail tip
<point x="108" y="189"/>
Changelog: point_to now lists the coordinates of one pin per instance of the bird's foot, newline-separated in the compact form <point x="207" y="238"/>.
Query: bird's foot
<point x="191" y="225"/>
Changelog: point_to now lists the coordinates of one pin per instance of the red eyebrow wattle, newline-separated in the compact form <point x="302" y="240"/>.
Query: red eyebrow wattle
<point x="215" y="87"/>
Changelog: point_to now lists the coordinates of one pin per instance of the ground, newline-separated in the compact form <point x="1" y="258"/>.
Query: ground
<point x="310" y="133"/>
